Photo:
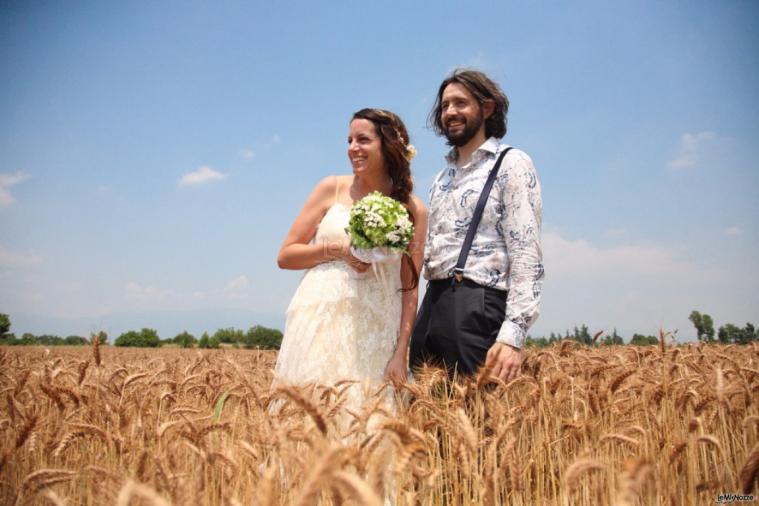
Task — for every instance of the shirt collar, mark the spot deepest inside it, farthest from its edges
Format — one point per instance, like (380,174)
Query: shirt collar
(489,146)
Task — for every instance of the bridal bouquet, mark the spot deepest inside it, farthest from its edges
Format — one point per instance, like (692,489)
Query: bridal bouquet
(380,229)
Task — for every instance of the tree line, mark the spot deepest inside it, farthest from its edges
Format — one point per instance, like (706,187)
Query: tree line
(726,334)
(257,336)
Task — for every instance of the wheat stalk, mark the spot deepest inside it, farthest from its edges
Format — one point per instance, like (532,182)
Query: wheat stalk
(577,469)
(146,493)
(749,473)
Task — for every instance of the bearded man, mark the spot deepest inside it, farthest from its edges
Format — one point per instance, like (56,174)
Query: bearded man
(484,284)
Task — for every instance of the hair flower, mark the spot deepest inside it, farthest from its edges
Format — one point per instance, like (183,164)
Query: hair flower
(410,152)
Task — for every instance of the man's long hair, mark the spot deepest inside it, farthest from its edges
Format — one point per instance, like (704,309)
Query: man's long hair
(483,89)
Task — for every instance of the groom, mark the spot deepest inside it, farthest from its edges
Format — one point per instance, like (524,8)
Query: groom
(479,314)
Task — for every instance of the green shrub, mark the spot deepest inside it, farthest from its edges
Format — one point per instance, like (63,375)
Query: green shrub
(146,338)
(185,340)
(262,337)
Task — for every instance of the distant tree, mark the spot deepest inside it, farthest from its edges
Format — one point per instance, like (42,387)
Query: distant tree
(48,340)
(708,325)
(76,340)
(150,338)
(704,326)
(262,337)
(185,340)
(730,333)
(536,342)
(582,335)
(695,318)
(102,334)
(613,339)
(749,334)
(129,338)
(249,339)
(147,338)
(641,340)
(229,335)
(209,342)
(727,333)
(5,324)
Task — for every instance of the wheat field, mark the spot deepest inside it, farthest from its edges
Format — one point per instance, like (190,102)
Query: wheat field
(581,425)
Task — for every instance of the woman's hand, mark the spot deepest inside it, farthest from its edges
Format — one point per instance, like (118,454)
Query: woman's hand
(396,370)
(344,254)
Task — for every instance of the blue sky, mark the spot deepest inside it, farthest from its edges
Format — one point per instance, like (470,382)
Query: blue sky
(154,154)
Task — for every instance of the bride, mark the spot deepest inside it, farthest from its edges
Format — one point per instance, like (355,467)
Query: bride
(349,320)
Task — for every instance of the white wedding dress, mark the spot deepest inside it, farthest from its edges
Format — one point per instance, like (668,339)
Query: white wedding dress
(339,327)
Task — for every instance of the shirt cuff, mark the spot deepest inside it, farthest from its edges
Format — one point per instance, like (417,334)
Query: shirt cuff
(511,334)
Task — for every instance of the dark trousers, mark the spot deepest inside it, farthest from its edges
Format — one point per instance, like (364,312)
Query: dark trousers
(456,325)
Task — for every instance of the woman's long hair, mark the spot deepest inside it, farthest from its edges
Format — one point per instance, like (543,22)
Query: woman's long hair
(395,141)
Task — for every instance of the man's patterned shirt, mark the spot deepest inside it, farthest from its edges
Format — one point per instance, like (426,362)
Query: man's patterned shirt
(506,251)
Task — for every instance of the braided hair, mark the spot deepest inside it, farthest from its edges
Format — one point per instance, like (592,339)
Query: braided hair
(397,154)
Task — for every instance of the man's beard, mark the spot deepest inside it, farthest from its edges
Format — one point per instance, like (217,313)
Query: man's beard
(470,130)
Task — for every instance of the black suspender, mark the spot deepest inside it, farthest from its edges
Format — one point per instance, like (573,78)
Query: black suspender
(458,271)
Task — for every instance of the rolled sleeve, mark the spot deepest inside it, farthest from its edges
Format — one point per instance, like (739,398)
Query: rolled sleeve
(522,226)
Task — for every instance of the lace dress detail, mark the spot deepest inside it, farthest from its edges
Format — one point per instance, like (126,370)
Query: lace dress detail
(339,327)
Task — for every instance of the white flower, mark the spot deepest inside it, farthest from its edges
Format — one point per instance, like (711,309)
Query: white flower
(379,221)
(410,152)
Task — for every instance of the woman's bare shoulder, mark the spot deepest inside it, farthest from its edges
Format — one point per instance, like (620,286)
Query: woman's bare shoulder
(416,206)
(327,188)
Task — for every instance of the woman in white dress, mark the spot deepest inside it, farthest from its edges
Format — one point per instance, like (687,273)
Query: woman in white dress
(341,324)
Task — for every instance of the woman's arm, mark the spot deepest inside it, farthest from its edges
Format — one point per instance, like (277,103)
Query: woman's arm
(397,368)
(296,253)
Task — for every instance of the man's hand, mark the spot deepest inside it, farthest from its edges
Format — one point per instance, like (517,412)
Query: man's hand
(505,361)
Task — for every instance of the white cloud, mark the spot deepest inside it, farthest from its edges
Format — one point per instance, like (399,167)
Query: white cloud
(6,181)
(477,61)
(237,285)
(616,233)
(632,287)
(202,175)
(733,231)
(236,289)
(9,258)
(135,292)
(247,154)
(690,148)
(580,260)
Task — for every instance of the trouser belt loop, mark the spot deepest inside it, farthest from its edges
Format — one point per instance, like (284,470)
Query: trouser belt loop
(458,277)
